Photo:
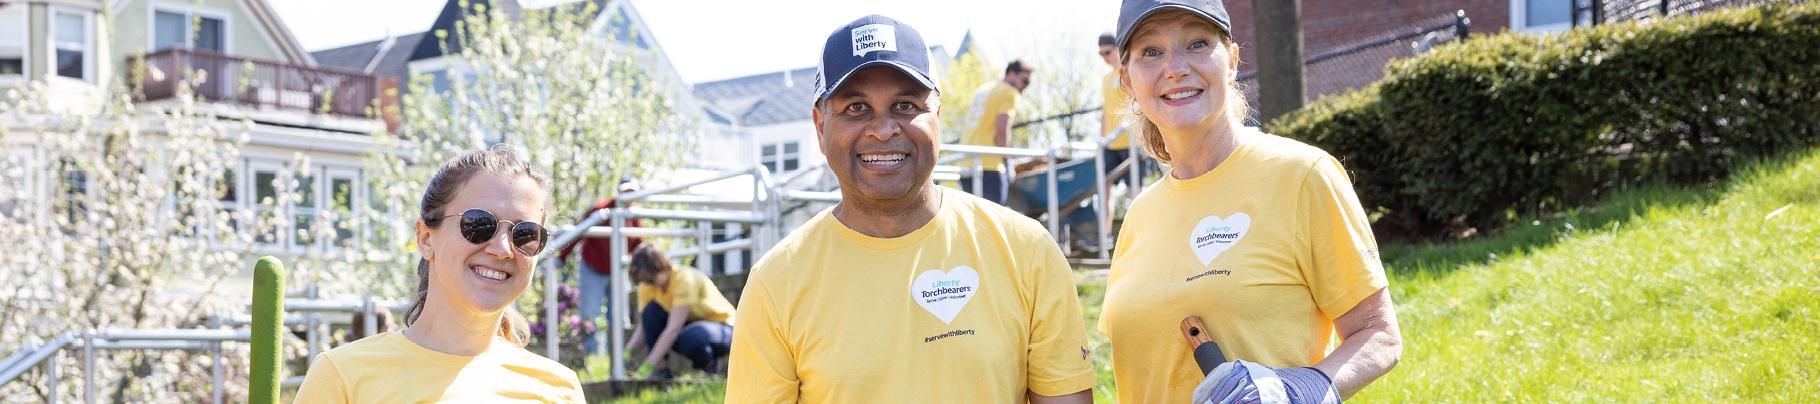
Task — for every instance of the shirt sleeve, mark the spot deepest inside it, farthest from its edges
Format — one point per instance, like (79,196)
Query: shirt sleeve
(1342,254)
(1058,360)
(762,367)
(322,383)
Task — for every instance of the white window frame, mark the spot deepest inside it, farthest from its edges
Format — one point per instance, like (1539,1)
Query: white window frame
(775,162)
(88,37)
(26,187)
(25,47)
(190,13)
(292,243)
(254,206)
(1519,19)
(356,199)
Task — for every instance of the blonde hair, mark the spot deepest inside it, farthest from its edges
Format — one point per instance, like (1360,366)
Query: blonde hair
(1236,107)
(501,160)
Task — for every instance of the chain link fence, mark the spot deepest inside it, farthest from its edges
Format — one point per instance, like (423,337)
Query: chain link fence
(1352,66)
(1611,11)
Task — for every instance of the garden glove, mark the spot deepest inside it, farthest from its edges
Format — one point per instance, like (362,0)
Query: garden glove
(1246,382)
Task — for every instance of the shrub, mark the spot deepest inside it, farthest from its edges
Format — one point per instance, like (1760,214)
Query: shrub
(1475,132)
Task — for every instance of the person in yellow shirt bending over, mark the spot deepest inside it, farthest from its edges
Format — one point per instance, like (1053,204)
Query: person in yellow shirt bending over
(1260,236)
(994,107)
(681,312)
(904,291)
(463,341)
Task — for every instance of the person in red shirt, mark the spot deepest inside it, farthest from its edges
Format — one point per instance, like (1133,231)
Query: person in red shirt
(596,260)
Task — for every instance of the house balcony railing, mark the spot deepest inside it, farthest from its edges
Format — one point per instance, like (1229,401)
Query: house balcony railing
(269,85)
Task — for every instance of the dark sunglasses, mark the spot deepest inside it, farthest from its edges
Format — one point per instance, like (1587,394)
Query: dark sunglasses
(479,226)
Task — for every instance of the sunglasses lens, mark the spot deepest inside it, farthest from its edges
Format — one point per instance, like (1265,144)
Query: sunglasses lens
(478,226)
(528,237)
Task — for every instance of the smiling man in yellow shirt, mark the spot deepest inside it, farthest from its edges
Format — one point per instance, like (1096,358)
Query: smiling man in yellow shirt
(905,291)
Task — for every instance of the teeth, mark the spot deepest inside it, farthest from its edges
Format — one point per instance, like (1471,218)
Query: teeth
(1181,95)
(492,274)
(875,158)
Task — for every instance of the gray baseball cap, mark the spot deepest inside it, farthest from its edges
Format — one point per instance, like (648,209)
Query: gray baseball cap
(1134,11)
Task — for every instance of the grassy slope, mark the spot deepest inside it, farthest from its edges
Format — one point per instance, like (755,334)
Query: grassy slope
(1656,293)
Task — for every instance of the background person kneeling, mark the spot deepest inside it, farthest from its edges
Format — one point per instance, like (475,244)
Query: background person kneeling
(689,315)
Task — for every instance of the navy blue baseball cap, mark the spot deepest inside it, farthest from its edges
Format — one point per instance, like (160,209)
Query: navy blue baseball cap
(1134,11)
(873,40)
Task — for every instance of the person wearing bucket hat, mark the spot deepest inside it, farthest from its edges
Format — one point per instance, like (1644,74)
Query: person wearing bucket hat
(904,291)
(1261,236)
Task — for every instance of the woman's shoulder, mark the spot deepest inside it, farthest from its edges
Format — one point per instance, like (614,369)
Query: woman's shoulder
(524,361)
(382,344)
(1273,148)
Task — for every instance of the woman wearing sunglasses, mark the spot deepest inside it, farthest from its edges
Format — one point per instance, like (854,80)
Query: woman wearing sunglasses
(464,342)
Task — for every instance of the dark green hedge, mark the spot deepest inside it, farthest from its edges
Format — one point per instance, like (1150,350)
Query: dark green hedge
(1474,133)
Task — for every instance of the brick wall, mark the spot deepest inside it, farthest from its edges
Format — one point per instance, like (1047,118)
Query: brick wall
(1331,24)
(1327,24)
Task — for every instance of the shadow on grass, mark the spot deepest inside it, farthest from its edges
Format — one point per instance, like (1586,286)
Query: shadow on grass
(1529,234)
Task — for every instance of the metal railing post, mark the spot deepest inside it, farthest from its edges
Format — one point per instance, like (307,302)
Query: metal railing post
(56,371)
(1137,166)
(702,239)
(549,310)
(978,171)
(368,310)
(215,368)
(88,366)
(1102,209)
(617,285)
(1055,229)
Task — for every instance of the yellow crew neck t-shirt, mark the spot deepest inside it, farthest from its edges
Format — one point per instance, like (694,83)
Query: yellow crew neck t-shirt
(988,103)
(1268,249)
(692,287)
(976,306)
(389,368)
(1112,111)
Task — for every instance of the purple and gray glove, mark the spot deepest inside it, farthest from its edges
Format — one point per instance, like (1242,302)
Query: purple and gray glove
(1246,382)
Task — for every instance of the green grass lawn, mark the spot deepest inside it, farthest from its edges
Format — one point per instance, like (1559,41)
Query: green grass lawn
(1660,293)
(1655,294)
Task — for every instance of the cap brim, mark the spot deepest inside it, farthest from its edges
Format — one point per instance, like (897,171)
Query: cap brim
(1124,37)
(926,81)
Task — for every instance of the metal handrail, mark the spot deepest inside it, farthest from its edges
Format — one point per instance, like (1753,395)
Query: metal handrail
(36,355)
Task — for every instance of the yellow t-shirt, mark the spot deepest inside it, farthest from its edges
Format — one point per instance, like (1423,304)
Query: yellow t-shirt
(1112,111)
(389,368)
(988,103)
(692,287)
(976,306)
(1268,249)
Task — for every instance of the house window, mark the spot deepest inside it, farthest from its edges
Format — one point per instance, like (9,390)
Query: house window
(75,189)
(304,212)
(174,29)
(265,196)
(74,42)
(622,30)
(1541,15)
(14,29)
(341,198)
(780,157)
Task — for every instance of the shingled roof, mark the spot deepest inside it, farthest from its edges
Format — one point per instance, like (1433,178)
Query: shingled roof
(375,57)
